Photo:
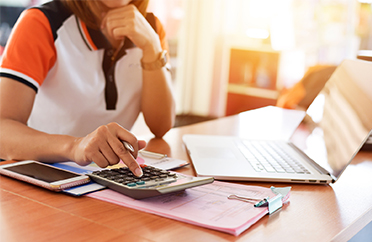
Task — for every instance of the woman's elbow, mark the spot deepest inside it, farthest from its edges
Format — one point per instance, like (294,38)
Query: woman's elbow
(161,128)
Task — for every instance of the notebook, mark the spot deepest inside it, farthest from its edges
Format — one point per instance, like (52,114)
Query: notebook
(322,145)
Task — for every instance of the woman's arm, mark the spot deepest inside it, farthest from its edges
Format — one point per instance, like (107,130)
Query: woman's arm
(157,101)
(17,140)
(157,104)
(20,142)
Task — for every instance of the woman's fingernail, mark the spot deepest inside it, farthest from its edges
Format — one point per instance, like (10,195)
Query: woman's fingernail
(138,172)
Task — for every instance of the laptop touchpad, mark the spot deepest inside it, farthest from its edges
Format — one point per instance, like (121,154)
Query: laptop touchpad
(215,153)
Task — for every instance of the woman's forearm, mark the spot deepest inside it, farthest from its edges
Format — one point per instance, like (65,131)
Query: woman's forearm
(158,105)
(20,142)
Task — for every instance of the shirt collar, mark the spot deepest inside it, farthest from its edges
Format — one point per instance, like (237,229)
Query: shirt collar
(95,39)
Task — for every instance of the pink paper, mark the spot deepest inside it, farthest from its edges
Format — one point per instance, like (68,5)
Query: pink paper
(207,206)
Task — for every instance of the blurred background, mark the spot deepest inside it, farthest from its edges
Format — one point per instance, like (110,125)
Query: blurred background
(229,56)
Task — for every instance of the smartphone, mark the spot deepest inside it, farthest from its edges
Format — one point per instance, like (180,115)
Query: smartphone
(43,175)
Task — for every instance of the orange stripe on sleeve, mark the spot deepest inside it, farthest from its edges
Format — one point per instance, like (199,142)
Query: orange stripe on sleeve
(30,49)
(87,35)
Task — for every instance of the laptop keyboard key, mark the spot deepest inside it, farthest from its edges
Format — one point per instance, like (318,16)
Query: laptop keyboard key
(270,158)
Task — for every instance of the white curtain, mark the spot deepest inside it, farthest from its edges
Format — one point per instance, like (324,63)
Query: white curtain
(196,57)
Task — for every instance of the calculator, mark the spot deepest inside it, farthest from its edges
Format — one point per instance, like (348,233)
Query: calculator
(153,182)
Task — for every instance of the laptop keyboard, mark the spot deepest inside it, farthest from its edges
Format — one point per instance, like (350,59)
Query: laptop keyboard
(270,157)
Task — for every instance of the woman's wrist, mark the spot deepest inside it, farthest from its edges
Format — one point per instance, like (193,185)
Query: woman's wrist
(151,55)
(151,51)
(157,64)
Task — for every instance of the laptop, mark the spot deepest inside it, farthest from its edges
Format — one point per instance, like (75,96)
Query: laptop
(322,144)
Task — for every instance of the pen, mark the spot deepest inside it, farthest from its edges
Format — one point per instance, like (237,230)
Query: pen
(128,146)
(153,155)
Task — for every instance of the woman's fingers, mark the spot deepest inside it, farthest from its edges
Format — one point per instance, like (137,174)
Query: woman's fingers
(128,22)
(105,147)
(126,155)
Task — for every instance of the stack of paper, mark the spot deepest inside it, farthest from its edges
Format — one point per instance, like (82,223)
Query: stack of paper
(207,206)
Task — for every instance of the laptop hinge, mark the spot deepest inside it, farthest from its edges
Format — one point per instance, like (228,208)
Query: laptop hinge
(313,163)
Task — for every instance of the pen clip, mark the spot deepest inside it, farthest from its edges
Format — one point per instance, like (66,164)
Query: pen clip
(128,146)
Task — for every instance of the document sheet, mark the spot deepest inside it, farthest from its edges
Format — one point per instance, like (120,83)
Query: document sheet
(207,206)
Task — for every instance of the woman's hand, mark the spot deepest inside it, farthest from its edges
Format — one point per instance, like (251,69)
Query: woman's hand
(128,22)
(104,147)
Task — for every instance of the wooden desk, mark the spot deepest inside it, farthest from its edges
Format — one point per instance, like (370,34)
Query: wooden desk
(315,213)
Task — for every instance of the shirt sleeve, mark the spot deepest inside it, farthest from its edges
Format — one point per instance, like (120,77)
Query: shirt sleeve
(30,51)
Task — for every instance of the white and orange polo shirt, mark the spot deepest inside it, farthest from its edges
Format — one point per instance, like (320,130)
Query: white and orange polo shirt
(70,67)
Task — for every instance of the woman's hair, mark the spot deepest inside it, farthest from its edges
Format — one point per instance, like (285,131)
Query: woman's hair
(89,11)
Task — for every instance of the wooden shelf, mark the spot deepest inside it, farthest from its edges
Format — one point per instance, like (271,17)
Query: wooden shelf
(252,81)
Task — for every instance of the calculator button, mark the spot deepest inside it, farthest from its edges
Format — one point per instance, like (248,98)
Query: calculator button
(131,184)
(119,180)
(103,175)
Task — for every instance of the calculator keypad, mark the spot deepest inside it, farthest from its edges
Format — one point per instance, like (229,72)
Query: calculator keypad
(123,176)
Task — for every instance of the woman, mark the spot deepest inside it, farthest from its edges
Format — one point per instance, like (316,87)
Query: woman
(74,77)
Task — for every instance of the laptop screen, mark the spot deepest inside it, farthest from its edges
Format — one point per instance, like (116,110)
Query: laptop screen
(339,120)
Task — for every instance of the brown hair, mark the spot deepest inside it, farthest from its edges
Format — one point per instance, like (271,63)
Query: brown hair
(89,11)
